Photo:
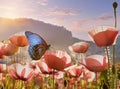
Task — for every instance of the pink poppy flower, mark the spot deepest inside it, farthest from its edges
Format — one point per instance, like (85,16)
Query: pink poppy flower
(87,75)
(59,75)
(43,67)
(96,63)
(76,71)
(8,49)
(20,72)
(34,65)
(57,60)
(80,47)
(104,35)
(59,79)
(19,40)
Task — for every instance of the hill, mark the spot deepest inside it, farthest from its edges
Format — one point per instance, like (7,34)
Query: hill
(57,36)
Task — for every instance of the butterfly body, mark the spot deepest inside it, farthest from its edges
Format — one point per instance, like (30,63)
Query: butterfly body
(37,47)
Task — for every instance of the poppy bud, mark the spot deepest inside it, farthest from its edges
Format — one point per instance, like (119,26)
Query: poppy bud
(115,5)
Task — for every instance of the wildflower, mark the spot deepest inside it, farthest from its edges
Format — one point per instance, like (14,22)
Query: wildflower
(96,63)
(80,47)
(104,36)
(57,60)
(8,49)
(20,72)
(19,40)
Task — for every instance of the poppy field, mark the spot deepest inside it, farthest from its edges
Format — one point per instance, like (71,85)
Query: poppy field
(27,61)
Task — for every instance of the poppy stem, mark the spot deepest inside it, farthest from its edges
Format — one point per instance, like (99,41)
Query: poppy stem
(113,55)
(114,67)
(115,16)
(108,55)
(109,67)
(96,80)
(53,79)
(96,77)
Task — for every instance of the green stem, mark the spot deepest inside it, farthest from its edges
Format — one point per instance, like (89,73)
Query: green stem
(53,79)
(109,68)
(107,53)
(96,78)
(113,48)
(115,70)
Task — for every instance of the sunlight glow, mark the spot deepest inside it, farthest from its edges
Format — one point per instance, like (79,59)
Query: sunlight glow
(11,12)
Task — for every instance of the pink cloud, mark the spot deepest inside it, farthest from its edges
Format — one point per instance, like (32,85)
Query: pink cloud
(65,11)
(43,2)
(104,17)
(84,24)
(81,27)
(57,21)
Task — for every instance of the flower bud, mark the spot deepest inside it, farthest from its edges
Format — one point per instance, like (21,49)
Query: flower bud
(115,5)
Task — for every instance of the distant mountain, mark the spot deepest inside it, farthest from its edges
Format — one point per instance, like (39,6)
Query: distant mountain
(58,36)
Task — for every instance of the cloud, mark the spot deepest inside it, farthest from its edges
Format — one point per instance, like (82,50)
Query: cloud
(65,11)
(57,20)
(86,23)
(20,9)
(81,27)
(10,11)
(43,2)
(104,17)
(75,25)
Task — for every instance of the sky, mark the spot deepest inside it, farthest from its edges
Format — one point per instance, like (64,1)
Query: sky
(77,16)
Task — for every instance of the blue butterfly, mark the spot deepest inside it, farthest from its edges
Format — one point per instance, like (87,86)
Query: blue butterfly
(37,46)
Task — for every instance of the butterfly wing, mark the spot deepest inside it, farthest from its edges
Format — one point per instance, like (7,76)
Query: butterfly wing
(37,51)
(34,38)
(37,45)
